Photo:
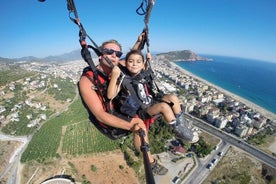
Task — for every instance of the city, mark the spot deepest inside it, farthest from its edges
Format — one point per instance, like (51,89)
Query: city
(202,101)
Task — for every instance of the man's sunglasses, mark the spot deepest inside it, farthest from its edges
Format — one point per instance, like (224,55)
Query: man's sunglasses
(111,51)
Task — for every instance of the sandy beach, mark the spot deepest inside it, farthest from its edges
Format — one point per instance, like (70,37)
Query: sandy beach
(250,104)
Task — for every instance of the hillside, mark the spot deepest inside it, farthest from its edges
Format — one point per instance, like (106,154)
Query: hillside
(184,55)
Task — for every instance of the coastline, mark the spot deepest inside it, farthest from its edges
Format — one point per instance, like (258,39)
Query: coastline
(250,104)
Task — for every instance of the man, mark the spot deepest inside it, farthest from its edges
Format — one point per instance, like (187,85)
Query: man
(93,93)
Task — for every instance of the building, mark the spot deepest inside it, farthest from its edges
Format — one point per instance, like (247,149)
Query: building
(220,122)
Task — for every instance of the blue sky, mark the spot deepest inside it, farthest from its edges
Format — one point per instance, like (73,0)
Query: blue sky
(243,28)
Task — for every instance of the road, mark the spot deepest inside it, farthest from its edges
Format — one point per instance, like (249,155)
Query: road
(14,159)
(201,172)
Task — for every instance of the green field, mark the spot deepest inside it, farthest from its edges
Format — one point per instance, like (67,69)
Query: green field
(72,132)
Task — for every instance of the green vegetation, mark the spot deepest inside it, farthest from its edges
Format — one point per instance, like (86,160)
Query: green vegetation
(93,168)
(62,89)
(82,138)
(44,143)
(159,133)
(238,168)
(15,103)
(260,138)
(121,167)
(18,128)
(77,139)
(84,180)
(14,74)
(202,148)
(74,169)
(180,55)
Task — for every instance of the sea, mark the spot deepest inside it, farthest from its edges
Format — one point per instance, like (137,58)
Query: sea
(250,79)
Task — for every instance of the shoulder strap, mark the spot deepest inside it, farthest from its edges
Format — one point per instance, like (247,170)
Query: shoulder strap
(148,77)
(101,83)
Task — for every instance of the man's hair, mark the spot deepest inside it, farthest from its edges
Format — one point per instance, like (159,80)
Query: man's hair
(111,41)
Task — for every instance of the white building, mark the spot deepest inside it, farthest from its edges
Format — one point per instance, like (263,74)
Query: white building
(220,122)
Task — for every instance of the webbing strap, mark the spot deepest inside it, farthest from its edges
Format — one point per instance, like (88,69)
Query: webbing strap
(141,11)
(85,53)
(82,36)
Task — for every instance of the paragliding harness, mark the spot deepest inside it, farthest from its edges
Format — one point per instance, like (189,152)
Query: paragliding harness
(100,80)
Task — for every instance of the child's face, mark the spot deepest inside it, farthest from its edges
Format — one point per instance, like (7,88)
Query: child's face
(135,64)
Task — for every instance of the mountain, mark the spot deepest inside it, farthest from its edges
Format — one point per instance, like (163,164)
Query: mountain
(6,60)
(73,55)
(184,55)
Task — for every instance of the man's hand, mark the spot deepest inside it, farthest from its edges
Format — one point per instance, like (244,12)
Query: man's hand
(137,123)
(148,56)
(139,43)
(141,36)
(116,72)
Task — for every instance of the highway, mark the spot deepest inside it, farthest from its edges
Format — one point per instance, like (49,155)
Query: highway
(201,172)
(231,139)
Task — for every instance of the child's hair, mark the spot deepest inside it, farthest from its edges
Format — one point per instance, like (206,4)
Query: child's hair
(135,52)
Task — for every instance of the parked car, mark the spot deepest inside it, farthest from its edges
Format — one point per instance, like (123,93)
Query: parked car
(209,166)
(214,161)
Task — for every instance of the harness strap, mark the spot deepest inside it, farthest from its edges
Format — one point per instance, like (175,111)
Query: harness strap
(141,11)
(100,87)
(82,36)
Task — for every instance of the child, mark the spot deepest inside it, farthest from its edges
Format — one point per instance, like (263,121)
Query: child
(136,98)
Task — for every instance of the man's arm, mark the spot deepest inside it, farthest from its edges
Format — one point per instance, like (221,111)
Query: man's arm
(139,41)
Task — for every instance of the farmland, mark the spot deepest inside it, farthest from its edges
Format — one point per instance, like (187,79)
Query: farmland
(68,136)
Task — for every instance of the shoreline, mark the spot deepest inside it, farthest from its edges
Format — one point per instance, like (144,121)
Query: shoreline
(261,110)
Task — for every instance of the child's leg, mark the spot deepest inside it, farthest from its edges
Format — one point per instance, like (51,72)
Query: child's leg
(182,128)
(175,101)
(164,109)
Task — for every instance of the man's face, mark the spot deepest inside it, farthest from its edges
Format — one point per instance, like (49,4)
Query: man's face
(112,52)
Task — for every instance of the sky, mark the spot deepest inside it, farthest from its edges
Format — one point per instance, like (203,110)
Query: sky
(242,28)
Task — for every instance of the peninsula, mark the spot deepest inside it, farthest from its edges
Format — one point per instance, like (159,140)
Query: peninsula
(183,55)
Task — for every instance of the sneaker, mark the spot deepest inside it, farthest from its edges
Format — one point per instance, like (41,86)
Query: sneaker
(183,130)
(185,134)
(158,169)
